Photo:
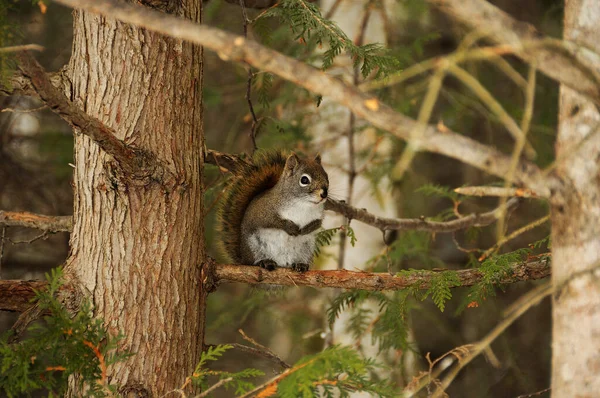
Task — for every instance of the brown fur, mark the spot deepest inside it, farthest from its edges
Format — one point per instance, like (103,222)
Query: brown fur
(245,186)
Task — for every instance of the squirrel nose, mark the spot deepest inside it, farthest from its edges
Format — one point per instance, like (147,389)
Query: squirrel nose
(324,192)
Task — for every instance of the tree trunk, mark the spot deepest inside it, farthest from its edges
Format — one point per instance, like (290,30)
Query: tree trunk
(576,226)
(137,245)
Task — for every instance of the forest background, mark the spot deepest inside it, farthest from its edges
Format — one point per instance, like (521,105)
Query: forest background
(377,168)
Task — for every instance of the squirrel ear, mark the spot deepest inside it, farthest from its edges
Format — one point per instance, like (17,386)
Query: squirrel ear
(291,162)
(318,158)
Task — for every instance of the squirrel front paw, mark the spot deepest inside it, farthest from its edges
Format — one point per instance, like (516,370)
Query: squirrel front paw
(300,267)
(269,265)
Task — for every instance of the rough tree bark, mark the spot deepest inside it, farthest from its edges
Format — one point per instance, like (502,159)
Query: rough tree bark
(576,227)
(137,244)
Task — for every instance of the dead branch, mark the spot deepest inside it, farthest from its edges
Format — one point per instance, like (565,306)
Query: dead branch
(496,191)
(134,162)
(418,224)
(37,221)
(15,295)
(237,49)
(25,47)
(566,62)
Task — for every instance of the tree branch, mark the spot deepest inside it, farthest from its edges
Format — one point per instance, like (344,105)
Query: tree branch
(134,162)
(235,48)
(64,223)
(15,295)
(566,62)
(38,221)
(417,224)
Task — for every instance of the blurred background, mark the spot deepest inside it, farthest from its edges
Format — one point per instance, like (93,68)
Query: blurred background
(35,175)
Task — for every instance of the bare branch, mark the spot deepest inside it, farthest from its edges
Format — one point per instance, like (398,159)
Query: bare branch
(19,84)
(25,47)
(231,163)
(418,224)
(566,62)
(15,295)
(38,221)
(136,163)
(496,191)
(237,49)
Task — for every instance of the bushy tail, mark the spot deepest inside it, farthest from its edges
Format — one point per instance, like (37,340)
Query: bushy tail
(248,182)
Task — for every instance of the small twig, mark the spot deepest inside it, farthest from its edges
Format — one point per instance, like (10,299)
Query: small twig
(520,143)
(43,235)
(24,110)
(512,236)
(535,394)
(25,47)
(496,191)
(255,123)
(264,351)
(220,382)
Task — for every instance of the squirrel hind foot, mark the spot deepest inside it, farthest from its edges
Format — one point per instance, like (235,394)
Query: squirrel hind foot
(300,267)
(269,265)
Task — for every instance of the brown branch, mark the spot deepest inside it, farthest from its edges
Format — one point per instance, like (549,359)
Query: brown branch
(258,4)
(418,224)
(15,295)
(566,62)
(237,49)
(134,162)
(496,191)
(38,221)
(369,280)
(18,84)
(25,47)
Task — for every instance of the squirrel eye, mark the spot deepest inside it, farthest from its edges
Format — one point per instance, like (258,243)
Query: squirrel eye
(304,180)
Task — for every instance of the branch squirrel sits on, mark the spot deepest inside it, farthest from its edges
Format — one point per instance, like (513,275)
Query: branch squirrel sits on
(271,211)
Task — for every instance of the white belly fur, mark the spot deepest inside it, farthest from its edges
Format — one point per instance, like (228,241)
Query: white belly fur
(285,250)
(302,212)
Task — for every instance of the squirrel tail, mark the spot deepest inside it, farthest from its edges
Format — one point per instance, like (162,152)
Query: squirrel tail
(249,182)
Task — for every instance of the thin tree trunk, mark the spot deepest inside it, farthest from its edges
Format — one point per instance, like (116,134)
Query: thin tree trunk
(576,227)
(137,245)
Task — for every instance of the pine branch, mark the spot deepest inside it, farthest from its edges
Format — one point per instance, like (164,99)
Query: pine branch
(15,295)
(237,49)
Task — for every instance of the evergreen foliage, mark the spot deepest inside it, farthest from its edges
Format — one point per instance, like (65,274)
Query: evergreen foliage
(325,237)
(334,372)
(57,347)
(493,269)
(388,328)
(236,380)
(311,28)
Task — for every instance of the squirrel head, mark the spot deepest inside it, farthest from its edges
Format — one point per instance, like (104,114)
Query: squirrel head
(304,179)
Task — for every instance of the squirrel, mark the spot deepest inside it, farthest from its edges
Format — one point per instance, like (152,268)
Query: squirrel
(271,211)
